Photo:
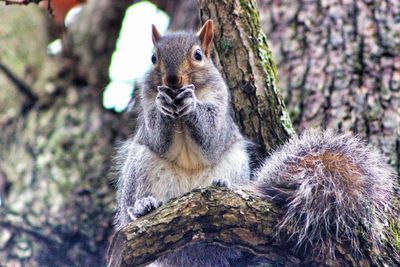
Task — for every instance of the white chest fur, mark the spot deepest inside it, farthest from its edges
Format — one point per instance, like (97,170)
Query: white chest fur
(165,179)
(185,153)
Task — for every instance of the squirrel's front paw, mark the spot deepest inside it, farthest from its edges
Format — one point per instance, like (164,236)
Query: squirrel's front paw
(164,102)
(142,207)
(185,101)
(221,183)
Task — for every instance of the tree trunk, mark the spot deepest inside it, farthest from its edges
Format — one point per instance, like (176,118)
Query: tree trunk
(339,64)
(57,203)
(246,63)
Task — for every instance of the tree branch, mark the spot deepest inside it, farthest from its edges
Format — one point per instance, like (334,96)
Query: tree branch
(230,218)
(22,87)
(32,232)
(20,2)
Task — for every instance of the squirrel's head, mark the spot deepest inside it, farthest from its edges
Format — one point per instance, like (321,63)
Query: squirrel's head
(179,56)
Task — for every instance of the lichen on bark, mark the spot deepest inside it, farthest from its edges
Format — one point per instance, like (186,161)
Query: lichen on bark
(245,60)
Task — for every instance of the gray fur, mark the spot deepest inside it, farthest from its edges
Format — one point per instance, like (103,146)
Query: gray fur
(201,255)
(182,142)
(222,183)
(142,207)
(322,207)
(174,48)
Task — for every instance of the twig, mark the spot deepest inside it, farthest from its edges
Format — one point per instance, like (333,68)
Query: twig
(27,2)
(21,2)
(21,86)
(35,234)
(50,9)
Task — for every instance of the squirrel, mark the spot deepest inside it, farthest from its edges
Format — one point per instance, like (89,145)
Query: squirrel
(331,185)
(186,138)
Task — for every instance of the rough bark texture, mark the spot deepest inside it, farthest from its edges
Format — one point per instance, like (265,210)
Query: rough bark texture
(57,204)
(245,60)
(228,218)
(339,66)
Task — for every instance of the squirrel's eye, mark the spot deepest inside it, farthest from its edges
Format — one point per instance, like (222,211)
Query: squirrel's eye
(197,54)
(153,59)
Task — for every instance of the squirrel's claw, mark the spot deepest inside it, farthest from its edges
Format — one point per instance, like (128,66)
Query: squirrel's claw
(221,183)
(165,104)
(142,207)
(185,102)
(167,90)
(174,103)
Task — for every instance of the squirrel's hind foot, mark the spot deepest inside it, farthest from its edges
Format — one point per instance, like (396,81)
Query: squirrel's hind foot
(142,207)
(222,183)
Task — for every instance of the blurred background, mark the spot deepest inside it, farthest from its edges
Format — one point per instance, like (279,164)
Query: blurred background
(65,94)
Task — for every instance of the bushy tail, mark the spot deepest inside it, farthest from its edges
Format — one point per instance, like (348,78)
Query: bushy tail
(331,187)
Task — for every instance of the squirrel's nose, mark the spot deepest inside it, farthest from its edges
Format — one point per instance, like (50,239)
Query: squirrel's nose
(173,80)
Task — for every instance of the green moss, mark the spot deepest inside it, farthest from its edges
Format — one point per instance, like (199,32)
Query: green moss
(395,229)
(264,210)
(226,45)
(287,123)
(263,52)
(394,226)
(265,55)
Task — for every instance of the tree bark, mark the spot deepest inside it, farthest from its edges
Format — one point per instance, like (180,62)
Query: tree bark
(57,203)
(246,63)
(57,206)
(339,66)
(230,218)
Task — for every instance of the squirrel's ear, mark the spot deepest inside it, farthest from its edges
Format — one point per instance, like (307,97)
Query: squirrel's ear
(155,34)
(206,35)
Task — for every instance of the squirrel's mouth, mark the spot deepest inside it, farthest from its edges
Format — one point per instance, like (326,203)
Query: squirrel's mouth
(172,81)
(175,82)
